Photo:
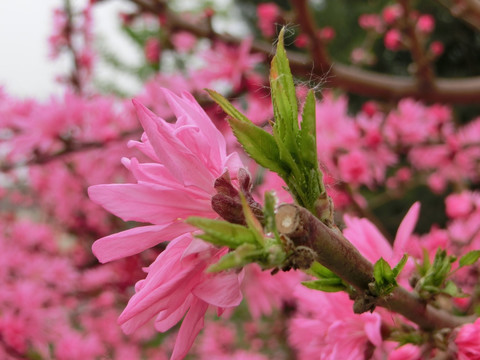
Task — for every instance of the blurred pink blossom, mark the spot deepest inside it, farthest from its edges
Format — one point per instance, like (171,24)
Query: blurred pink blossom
(267,14)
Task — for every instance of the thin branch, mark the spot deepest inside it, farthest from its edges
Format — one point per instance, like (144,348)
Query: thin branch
(335,252)
(352,78)
(466,10)
(71,148)
(423,71)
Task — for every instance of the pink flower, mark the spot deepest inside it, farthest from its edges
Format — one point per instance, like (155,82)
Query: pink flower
(326,328)
(392,13)
(393,40)
(187,158)
(267,15)
(354,168)
(468,341)
(426,23)
(177,284)
(371,22)
(370,108)
(265,292)
(458,205)
(152,50)
(183,41)
(326,33)
(302,40)
(437,48)
(406,352)
(228,63)
(373,245)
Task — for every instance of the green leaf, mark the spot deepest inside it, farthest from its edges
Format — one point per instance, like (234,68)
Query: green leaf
(227,106)
(382,272)
(243,255)
(452,290)
(223,233)
(398,268)
(269,213)
(307,136)
(284,97)
(470,258)
(259,145)
(320,271)
(327,285)
(252,222)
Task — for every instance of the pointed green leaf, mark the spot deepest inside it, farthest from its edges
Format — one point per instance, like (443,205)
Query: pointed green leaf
(258,144)
(470,258)
(320,271)
(309,123)
(307,138)
(383,274)
(252,222)
(281,81)
(452,289)
(327,285)
(227,106)
(223,233)
(398,268)
(243,255)
(269,213)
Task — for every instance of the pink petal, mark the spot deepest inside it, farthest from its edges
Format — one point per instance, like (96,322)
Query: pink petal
(195,115)
(372,326)
(170,317)
(148,203)
(405,230)
(171,151)
(221,290)
(136,240)
(367,239)
(191,326)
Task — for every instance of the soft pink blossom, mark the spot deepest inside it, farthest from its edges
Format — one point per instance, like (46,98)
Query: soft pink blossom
(176,284)
(458,205)
(437,48)
(373,245)
(183,41)
(425,23)
(152,50)
(393,40)
(391,13)
(326,328)
(267,14)
(467,341)
(371,22)
(406,352)
(187,158)
(326,33)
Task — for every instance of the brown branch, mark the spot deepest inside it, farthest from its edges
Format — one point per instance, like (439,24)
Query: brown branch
(423,71)
(354,79)
(72,147)
(317,45)
(466,10)
(335,252)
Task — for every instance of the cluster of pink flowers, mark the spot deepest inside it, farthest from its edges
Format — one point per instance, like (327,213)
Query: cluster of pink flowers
(72,32)
(390,25)
(58,302)
(52,306)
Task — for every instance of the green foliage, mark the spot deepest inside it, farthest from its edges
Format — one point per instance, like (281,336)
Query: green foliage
(434,276)
(249,243)
(223,233)
(291,151)
(470,258)
(385,276)
(326,280)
